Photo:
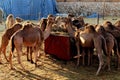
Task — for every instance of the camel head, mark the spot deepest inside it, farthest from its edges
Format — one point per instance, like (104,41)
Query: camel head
(100,29)
(10,16)
(70,15)
(81,20)
(117,23)
(18,19)
(89,28)
(43,23)
(67,21)
(50,20)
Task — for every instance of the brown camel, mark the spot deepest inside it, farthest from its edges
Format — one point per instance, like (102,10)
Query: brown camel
(9,21)
(6,37)
(31,37)
(109,27)
(110,42)
(43,24)
(88,38)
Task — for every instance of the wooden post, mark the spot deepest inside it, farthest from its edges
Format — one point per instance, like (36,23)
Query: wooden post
(98,18)
(103,10)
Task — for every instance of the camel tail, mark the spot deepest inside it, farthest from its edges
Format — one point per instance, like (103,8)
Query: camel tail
(104,46)
(13,45)
(115,48)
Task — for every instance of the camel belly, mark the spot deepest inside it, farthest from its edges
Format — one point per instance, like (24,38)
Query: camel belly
(86,40)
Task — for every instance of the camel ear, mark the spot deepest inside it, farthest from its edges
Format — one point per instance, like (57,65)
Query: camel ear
(95,26)
(86,24)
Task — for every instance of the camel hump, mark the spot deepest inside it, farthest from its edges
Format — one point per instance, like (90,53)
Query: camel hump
(90,28)
(28,25)
(100,29)
(108,25)
(117,23)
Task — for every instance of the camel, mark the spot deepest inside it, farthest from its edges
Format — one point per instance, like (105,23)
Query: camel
(6,37)
(109,27)
(42,25)
(88,38)
(110,42)
(9,21)
(31,37)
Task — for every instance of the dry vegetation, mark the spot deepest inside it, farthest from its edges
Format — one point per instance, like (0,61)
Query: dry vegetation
(53,69)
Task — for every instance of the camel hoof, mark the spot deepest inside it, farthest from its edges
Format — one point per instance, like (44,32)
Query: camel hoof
(109,70)
(32,62)
(77,66)
(118,68)
(8,61)
(28,59)
(97,74)
(36,65)
(12,68)
(23,54)
(1,63)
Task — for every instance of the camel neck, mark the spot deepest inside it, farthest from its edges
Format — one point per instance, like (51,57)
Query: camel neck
(47,31)
(70,30)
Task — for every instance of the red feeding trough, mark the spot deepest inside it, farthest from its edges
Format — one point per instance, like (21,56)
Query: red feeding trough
(63,47)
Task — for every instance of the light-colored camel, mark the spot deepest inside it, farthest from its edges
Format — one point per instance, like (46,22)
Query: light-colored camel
(88,38)
(110,42)
(9,21)
(117,24)
(109,27)
(31,37)
(6,37)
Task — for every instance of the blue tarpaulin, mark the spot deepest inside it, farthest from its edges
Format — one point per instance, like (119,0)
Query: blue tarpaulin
(93,15)
(29,9)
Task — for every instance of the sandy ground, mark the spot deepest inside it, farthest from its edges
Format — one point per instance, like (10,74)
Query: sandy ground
(51,69)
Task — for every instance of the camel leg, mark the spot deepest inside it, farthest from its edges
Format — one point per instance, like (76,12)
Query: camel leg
(10,60)
(4,52)
(118,63)
(19,53)
(0,55)
(100,63)
(108,61)
(78,53)
(118,56)
(36,58)
(31,51)
(89,57)
(28,54)
(83,55)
